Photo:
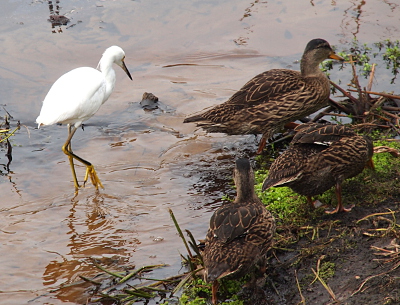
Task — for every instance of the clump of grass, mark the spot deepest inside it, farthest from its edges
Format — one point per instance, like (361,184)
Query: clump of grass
(198,292)
(119,286)
(127,287)
(327,270)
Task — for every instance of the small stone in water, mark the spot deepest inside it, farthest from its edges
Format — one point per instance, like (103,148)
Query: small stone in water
(149,101)
(58,20)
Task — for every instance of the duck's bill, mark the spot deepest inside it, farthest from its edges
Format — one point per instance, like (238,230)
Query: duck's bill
(336,57)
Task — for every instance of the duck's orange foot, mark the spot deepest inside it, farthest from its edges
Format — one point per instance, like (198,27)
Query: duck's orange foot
(261,146)
(214,291)
(340,208)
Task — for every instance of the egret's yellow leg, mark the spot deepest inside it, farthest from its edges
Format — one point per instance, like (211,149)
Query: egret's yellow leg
(90,171)
(67,149)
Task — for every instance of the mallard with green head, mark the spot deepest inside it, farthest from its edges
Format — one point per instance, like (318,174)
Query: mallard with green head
(273,98)
(240,232)
(322,156)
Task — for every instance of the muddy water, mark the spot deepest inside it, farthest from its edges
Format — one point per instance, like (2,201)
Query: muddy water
(192,55)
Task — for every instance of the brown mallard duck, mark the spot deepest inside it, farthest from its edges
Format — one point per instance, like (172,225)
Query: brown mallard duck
(273,98)
(240,233)
(321,156)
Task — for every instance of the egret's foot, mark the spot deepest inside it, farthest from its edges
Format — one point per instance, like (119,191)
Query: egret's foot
(90,172)
(340,208)
(77,186)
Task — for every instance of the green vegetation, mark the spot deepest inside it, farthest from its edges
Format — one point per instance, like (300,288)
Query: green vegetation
(286,205)
(198,292)
(386,51)
(391,55)
(327,270)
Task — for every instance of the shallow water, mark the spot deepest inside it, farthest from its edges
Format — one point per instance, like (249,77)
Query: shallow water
(192,55)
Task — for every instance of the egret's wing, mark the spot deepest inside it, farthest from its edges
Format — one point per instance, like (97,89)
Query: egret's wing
(74,97)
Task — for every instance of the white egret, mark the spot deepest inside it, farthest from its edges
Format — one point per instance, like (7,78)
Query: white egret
(76,96)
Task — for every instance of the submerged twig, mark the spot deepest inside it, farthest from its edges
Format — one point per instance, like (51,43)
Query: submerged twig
(10,134)
(105,270)
(135,272)
(86,279)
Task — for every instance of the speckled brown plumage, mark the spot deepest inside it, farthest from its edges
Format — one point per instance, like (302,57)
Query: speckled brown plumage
(320,157)
(240,233)
(273,98)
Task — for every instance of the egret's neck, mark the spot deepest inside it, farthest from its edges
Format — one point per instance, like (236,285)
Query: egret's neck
(108,72)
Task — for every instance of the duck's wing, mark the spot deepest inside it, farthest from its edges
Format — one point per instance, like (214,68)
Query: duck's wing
(269,88)
(233,221)
(321,133)
(290,165)
(344,158)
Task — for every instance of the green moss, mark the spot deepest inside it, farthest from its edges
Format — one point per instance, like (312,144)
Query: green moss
(198,292)
(288,206)
(327,270)
(385,161)
(195,293)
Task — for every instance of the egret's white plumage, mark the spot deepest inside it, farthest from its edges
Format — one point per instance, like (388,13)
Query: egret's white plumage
(73,106)
(78,95)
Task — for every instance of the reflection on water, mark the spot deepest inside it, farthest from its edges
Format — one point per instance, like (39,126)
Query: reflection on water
(354,12)
(55,19)
(92,235)
(191,55)
(361,14)
(5,133)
